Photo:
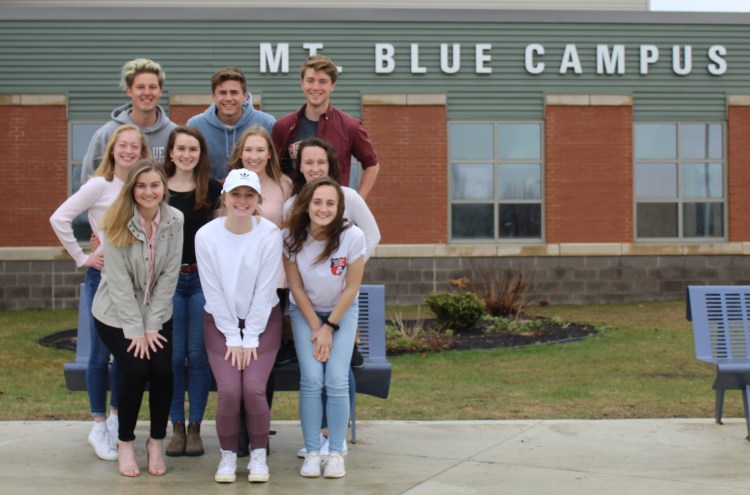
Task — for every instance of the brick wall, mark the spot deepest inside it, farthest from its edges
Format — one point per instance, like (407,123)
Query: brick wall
(738,172)
(33,137)
(409,199)
(589,173)
(180,114)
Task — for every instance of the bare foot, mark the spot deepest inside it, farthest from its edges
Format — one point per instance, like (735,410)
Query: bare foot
(156,465)
(126,459)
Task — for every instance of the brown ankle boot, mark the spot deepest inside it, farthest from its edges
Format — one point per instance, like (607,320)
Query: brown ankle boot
(176,445)
(194,444)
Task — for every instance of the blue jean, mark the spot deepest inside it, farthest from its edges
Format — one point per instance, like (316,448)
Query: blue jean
(97,371)
(331,377)
(189,350)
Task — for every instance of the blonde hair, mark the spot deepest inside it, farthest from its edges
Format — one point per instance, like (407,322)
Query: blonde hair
(106,168)
(272,168)
(135,67)
(115,221)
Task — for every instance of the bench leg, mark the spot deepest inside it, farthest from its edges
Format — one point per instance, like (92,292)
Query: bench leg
(746,406)
(353,404)
(719,404)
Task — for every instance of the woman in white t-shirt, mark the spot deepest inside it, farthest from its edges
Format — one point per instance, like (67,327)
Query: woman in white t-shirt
(324,258)
(317,158)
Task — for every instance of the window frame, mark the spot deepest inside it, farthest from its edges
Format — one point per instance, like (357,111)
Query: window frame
(496,200)
(681,200)
(71,162)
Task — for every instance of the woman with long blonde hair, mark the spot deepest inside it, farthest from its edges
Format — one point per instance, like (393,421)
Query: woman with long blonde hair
(254,151)
(126,145)
(133,306)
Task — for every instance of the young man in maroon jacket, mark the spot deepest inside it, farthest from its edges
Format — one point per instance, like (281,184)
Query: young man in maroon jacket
(318,117)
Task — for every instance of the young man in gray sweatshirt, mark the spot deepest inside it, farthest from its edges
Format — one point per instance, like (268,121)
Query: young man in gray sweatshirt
(143,81)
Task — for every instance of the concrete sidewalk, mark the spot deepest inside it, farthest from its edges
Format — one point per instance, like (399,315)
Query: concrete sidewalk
(672,456)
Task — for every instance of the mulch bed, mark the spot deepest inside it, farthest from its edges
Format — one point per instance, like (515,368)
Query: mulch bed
(549,333)
(65,339)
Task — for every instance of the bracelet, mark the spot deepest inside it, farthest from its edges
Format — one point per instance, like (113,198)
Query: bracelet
(332,325)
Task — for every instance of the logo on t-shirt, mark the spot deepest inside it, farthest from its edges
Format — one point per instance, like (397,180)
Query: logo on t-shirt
(338,265)
(294,150)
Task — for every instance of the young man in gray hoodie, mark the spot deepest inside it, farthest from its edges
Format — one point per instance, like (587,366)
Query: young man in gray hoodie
(143,81)
(227,118)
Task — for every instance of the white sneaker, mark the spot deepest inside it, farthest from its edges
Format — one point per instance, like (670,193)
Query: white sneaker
(113,425)
(301,453)
(257,467)
(334,466)
(311,467)
(324,448)
(102,443)
(226,472)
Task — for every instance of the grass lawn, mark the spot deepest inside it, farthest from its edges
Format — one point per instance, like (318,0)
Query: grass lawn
(641,365)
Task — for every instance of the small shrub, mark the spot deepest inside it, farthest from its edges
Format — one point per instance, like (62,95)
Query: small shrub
(458,311)
(494,324)
(524,327)
(504,293)
(403,336)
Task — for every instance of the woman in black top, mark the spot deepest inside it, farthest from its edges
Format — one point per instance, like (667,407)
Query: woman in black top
(195,194)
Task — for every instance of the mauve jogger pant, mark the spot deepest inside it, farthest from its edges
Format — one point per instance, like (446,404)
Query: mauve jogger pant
(247,386)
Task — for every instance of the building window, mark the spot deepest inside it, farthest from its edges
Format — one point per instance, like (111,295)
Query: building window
(80,134)
(495,181)
(680,181)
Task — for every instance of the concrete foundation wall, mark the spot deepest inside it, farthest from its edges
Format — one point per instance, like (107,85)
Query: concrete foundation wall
(562,279)
(578,280)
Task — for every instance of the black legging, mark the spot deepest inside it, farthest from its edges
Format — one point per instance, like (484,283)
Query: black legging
(156,372)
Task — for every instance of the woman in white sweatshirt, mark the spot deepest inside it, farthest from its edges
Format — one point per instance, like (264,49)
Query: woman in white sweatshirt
(239,263)
(126,145)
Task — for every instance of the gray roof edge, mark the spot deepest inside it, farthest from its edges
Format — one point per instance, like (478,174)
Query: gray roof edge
(363,15)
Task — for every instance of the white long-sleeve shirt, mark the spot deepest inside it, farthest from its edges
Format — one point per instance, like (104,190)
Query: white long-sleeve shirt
(95,195)
(239,274)
(356,210)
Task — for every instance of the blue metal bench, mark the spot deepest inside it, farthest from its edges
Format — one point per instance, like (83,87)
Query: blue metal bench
(373,378)
(721,330)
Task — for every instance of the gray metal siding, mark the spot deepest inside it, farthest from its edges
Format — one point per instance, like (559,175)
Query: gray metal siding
(83,58)
(638,5)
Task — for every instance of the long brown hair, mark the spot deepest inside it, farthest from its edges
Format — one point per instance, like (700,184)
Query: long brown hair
(298,222)
(273,169)
(298,180)
(116,218)
(201,172)
(106,167)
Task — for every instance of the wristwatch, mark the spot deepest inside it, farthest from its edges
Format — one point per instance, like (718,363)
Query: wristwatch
(332,325)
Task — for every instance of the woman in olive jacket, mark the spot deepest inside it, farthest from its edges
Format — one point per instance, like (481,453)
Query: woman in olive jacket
(133,305)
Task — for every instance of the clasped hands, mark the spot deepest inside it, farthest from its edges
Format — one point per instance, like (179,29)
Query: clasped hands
(151,341)
(240,357)
(322,340)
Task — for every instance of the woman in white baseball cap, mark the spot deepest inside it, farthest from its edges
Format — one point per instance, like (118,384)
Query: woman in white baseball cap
(239,263)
